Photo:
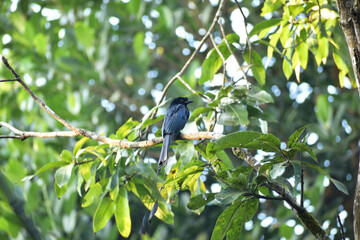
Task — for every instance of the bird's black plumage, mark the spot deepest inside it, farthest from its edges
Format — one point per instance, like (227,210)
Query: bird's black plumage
(175,120)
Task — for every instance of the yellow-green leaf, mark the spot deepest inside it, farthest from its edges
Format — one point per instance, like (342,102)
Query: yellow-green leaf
(122,213)
(104,212)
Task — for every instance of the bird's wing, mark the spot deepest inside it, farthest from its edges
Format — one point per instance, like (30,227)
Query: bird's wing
(175,120)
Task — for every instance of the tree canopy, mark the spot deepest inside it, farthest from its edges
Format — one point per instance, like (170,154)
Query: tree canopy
(271,148)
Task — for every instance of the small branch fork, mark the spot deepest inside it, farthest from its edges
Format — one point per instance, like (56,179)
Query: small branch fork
(307,219)
(22,135)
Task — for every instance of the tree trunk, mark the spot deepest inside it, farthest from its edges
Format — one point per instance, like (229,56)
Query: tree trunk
(349,13)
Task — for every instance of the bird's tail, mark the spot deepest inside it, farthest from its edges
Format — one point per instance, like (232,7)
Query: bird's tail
(164,152)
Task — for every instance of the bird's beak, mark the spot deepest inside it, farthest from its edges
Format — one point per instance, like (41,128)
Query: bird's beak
(189,101)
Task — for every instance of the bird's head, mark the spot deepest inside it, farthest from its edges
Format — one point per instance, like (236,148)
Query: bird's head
(181,100)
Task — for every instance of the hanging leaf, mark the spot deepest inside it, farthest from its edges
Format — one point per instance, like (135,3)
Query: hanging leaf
(256,66)
(63,174)
(122,213)
(230,222)
(104,212)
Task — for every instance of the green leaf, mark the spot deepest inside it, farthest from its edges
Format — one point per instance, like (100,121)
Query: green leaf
(213,61)
(125,129)
(302,52)
(139,45)
(200,110)
(277,170)
(97,154)
(74,102)
(256,66)
(142,189)
(84,34)
(264,25)
(270,6)
(46,167)
(200,200)
(230,222)
(259,96)
(40,43)
(94,192)
(104,212)
(166,17)
(341,65)
(63,174)
(296,9)
(337,184)
(323,49)
(60,191)
(287,68)
(66,156)
(186,151)
(79,144)
(225,159)
(251,140)
(240,112)
(323,111)
(295,136)
(228,195)
(122,213)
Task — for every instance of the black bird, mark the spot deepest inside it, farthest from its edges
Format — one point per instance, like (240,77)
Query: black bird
(175,120)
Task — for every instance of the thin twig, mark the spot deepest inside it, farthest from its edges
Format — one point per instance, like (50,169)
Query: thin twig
(232,53)
(308,220)
(191,58)
(301,182)
(341,227)
(192,90)
(10,80)
(22,135)
(263,196)
(38,100)
(222,58)
(246,32)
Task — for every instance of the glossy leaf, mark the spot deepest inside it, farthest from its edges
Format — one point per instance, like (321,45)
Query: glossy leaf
(256,66)
(63,174)
(213,62)
(295,136)
(230,222)
(84,34)
(251,140)
(66,156)
(122,213)
(200,200)
(264,25)
(79,144)
(104,212)
(45,168)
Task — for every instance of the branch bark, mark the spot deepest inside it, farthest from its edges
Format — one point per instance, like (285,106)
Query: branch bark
(349,13)
(306,218)
(22,135)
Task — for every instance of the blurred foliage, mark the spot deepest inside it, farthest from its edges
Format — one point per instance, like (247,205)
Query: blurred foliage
(102,65)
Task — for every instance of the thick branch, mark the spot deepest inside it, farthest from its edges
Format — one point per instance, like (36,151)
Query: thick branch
(307,219)
(349,13)
(22,135)
(38,100)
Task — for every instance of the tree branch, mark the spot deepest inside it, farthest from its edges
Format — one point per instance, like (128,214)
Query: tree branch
(349,13)
(191,58)
(306,218)
(22,135)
